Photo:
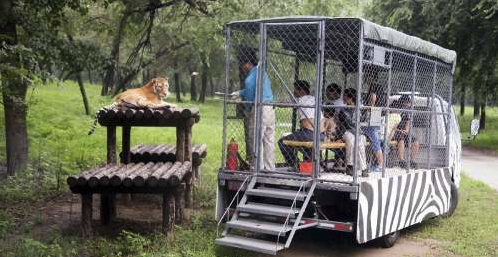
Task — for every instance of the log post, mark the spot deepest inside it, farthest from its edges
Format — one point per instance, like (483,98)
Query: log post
(188,142)
(179,203)
(168,212)
(125,149)
(189,185)
(105,208)
(111,144)
(180,143)
(86,215)
(107,201)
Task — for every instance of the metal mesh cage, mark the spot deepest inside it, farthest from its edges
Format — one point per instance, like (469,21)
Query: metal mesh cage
(318,99)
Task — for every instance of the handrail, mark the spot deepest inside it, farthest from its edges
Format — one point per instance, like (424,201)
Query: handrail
(233,199)
(292,208)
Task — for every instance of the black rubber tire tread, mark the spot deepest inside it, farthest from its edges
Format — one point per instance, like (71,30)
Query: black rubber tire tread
(453,201)
(389,240)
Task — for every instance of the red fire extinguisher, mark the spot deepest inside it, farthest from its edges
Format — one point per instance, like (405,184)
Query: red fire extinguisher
(232,151)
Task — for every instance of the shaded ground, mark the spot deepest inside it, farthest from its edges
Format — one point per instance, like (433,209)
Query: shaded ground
(63,214)
(481,165)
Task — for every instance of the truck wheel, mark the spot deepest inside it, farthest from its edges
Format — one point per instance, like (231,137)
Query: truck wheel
(389,240)
(453,201)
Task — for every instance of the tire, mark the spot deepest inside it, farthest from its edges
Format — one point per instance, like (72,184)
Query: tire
(389,240)
(453,201)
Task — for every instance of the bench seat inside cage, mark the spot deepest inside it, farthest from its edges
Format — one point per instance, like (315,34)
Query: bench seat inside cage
(324,145)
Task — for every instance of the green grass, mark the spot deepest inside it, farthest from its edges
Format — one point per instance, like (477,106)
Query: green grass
(486,139)
(473,228)
(59,145)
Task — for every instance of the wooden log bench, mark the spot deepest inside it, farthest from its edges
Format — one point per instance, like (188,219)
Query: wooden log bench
(324,145)
(165,178)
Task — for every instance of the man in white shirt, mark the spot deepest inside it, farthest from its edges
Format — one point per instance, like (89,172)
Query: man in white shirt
(306,121)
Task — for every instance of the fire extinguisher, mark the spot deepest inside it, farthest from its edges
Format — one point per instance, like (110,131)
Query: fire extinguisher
(232,151)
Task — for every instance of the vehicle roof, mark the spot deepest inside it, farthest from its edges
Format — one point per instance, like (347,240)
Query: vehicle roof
(371,31)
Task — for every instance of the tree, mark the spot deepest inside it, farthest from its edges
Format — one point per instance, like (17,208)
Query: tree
(23,27)
(470,27)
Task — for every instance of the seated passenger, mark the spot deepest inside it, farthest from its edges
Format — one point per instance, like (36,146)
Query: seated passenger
(305,132)
(328,124)
(402,134)
(333,97)
(333,94)
(346,130)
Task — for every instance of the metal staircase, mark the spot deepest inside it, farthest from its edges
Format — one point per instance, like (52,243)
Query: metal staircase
(267,215)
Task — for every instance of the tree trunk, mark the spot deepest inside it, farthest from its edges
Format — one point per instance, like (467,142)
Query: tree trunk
(14,95)
(90,77)
(83,93)
(111,69)
(144,76)
(191,69)
(16,131)
(211,85)
(177,80)
(204,80)
(476,101)
(462,100)
(482,120)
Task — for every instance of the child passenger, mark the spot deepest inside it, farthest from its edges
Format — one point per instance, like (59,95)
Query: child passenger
(346,130)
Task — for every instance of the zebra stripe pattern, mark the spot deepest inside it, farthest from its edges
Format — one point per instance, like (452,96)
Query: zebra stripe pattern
(393,203)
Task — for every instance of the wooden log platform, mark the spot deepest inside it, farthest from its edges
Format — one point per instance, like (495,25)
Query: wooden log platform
(163,153)
(166,178)
(157,117)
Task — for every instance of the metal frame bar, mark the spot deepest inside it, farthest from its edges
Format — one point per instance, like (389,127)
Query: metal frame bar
(432,116)
(386,121)
(448,120)
(258,96)
(412,104)
(318,99)
(225,97)
(359,83)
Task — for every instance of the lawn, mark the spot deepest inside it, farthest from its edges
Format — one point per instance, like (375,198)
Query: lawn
(486,139)
(59,145)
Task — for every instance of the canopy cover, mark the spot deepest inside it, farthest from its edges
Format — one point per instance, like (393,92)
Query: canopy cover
(371,31)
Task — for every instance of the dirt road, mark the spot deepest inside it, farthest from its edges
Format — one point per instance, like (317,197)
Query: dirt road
(481,165)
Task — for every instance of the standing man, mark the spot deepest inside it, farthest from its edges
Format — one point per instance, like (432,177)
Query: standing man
(248,62)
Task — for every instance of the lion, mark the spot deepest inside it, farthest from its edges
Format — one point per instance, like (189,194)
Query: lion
(149,95)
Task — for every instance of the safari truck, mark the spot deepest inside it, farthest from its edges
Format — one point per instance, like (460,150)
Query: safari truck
(389,160)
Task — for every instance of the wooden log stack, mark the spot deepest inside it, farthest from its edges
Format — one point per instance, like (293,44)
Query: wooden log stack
(158,169)
(165,153)
(148,175)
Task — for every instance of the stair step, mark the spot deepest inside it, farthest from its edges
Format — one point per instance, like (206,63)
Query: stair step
(258,226)
(268,209)
(277,193)
(251,244)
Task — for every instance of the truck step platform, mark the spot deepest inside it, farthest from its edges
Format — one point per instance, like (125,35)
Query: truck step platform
(277,193)
(268,209)
(259,226)
(251,244)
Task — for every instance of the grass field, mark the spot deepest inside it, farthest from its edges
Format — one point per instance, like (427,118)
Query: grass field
(488,138)
(59,146)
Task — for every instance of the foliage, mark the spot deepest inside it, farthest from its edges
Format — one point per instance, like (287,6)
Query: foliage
(470,27)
